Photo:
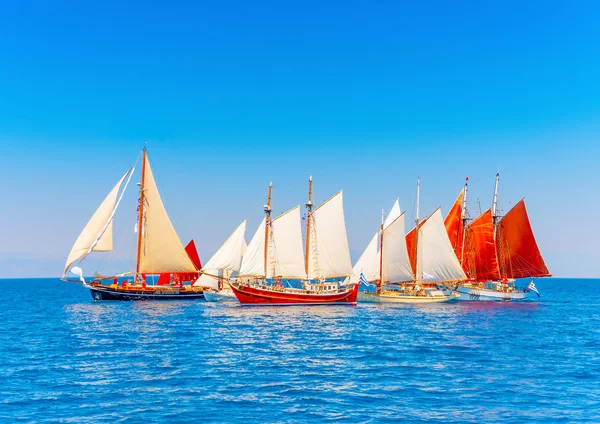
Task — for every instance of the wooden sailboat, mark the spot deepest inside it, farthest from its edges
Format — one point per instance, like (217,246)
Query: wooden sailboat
(496,250)
(402,278)
(224,264)
(159,252)
(274,260)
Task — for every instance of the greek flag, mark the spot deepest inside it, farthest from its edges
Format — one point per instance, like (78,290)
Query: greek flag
(362,280)
(533,288)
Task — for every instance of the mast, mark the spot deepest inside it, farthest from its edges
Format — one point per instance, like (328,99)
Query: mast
(309,206)
(417,232)
(380,285)
(464,220)
(495,202)
(141,214)
(267,209)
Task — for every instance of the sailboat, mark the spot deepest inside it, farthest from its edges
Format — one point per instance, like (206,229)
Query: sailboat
(224,264)
(496,250)
(275,255)
(404,278)
(160,255)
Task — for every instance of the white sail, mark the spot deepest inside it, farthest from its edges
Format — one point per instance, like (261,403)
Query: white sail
(253,261)
(368,263)
(161,250)
(436,260)
(394,213)
(396,263)
(227,259)
(96,236)
(229,255)
(329,255)
(287,254)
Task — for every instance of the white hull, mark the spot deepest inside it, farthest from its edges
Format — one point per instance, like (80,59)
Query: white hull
(484,294)
(225,295)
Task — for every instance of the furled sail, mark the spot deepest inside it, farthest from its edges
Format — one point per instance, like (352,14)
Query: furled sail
(160,250)
(482,261)
(436,260)
(454,225)
(286,258)
(396,263)
(368,263)
(329,256)
(253,261)
(518,251)
(96,236)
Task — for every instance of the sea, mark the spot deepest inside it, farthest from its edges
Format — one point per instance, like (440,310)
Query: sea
(66,358)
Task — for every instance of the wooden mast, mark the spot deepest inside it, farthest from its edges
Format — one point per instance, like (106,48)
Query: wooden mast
(417,233)
(380,285)
(464,220)
(141,215)
(267,226)
(309,206)
(495,203)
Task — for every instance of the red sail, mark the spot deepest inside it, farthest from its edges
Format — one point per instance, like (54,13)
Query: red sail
(193,254)
(454,226)
(519,254)
(483,261)
(410,246)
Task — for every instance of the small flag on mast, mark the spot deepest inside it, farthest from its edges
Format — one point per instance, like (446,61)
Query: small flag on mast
(533,288)
(363,281)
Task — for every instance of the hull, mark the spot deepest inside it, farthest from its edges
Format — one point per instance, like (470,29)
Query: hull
(224,295)
(470,293)
(106,293)
(406,298)
(254,296)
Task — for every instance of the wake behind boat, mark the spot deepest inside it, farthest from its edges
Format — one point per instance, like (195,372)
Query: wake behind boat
(163,265)
(275,257)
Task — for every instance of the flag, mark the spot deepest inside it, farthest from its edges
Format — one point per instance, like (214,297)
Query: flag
(533,288)
(362,280)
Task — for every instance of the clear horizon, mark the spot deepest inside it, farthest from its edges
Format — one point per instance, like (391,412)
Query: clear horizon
(232,96)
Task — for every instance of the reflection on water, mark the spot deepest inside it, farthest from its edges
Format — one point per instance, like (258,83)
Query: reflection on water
(66,357)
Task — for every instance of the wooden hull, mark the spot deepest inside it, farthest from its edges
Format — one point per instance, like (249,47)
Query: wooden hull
(106,293)
(405,298)
(249,296)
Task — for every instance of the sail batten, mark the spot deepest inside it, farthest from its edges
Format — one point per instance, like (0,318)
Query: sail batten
(96,236)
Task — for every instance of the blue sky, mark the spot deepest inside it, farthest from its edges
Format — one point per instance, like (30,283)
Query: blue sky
(365,96)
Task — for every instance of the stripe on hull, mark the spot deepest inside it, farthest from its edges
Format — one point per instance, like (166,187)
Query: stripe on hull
(103,294)
(255,297)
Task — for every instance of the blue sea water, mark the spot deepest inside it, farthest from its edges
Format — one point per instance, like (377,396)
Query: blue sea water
(66,358)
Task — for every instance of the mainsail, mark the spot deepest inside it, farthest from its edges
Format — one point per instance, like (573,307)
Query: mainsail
(481,260)
(518,251)
(454,224)
(253,261)
(436,260)
(395,262)
(97,235)
(227,259)
(160,249)
(329,255)
(286,258)
(394,213)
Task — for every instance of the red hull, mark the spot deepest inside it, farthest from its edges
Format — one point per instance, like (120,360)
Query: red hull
(255,296)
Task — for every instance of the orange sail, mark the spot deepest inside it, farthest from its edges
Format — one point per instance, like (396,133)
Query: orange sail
(518,251)
(411,247)
(483,261)
(454,226)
